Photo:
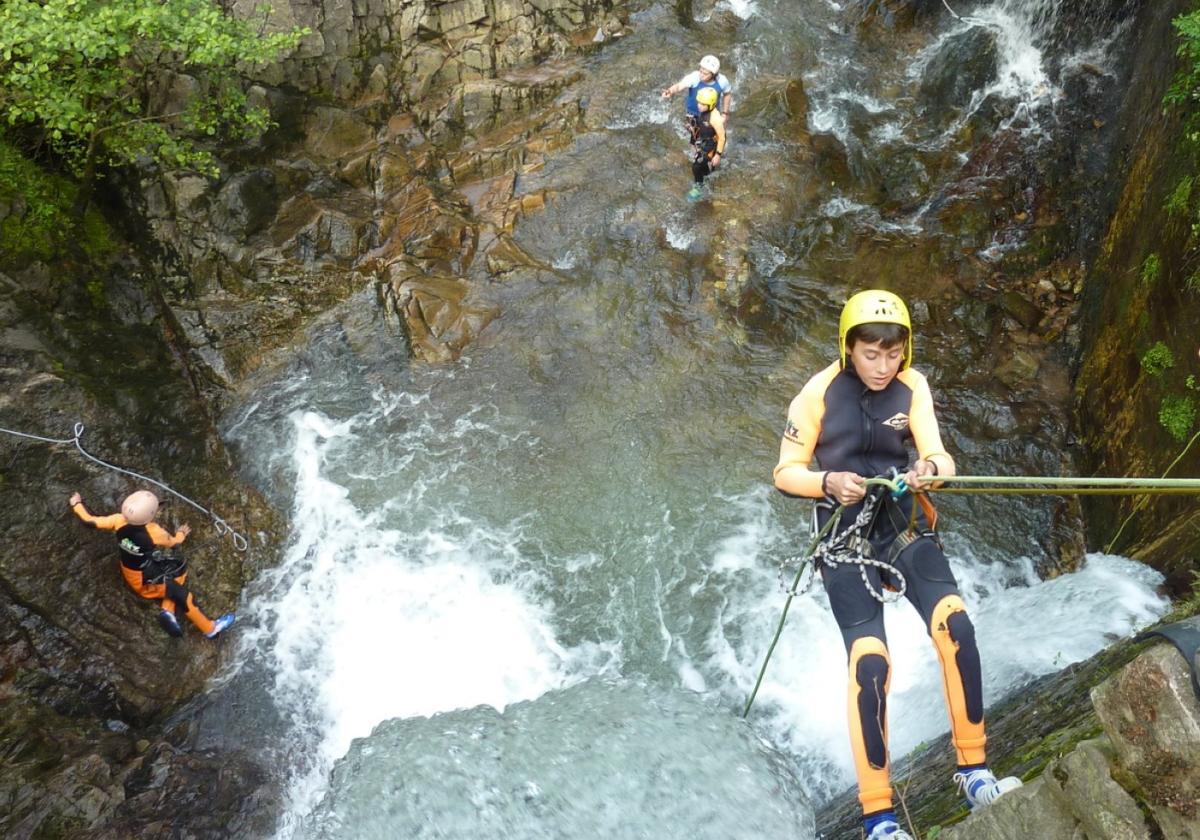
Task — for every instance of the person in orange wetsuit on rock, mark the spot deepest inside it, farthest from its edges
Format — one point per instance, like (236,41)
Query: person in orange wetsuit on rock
(140,541)
(855,420)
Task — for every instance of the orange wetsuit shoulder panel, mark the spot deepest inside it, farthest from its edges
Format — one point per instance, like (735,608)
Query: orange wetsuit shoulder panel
(794,473)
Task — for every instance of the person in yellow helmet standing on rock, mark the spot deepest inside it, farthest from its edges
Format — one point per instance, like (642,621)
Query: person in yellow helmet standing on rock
(855,420)
(146,570)
(708,140)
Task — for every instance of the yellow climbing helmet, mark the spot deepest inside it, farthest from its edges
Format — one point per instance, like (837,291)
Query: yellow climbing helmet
(707,96)
(874,306)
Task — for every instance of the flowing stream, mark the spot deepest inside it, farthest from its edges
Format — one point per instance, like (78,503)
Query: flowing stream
(544,576)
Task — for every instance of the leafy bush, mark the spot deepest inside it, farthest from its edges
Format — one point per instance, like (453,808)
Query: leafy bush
(36,211)
(1177,414)
(1158,359)
(111,82)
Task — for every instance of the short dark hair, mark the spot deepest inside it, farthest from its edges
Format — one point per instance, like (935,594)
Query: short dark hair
(889,335)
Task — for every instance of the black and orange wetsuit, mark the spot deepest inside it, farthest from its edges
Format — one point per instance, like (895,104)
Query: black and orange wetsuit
(709,141)
(842,425)
(137,544)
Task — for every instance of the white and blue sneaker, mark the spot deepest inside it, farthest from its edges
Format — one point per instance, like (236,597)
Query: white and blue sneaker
(220,624)
(981,787)
(884,827)
(695,192)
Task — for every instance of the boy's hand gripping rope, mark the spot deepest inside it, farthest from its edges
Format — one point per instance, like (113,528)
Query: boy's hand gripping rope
(220,525)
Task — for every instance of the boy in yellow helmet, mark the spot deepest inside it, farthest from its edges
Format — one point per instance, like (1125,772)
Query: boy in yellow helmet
(708,139)
(857,419)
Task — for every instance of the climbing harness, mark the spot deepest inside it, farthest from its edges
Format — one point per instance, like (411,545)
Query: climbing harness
(222,527)
(837,550)
(162,566)
(849,546)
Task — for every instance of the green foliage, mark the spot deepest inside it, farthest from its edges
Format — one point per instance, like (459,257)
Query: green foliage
(1151,268)
(36,211)
(1183,94)
(92,78)
(1190,382)
(1180,199)
(1158,359)
(1177,414)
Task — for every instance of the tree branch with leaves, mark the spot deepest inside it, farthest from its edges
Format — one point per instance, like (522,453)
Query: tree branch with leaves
(80,76)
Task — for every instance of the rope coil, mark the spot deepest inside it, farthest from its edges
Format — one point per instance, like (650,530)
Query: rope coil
(223,528)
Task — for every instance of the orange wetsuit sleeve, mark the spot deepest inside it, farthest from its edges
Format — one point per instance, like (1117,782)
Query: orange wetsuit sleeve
(922,422)
(719,126)
(794,473)
(161,538)
(112,522)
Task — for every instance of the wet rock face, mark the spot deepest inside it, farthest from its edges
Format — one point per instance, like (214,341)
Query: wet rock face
(1109,749)
(86,674)
(404,51)
(396,183)
(891,14)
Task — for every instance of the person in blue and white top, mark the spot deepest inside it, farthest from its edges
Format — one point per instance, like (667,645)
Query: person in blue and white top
(708,76)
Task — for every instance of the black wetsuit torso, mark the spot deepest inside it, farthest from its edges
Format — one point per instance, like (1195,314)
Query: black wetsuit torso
(704,136)
(866,432)
(137,548)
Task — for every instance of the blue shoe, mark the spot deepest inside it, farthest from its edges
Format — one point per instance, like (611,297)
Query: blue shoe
(694,193)
(167,621)
(220,624)
(884,827)
(981,787)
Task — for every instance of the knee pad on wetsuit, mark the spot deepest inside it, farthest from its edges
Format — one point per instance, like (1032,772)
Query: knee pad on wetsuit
(953,635)
(870,675)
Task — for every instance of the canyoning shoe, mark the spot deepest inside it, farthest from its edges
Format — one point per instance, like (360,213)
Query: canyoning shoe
(888,830)
(694,193)
(981,787)
(167,621)
(220,624)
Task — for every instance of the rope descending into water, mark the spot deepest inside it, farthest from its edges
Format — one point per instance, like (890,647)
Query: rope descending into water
(951,11)
(222,527)
(825,553)
(1000,484)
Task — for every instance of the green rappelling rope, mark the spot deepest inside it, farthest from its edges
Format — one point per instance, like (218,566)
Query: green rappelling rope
(812,546)
(1053,485)
(999,484)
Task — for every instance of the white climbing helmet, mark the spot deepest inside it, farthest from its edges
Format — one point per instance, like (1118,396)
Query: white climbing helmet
(139,508)
(711,63)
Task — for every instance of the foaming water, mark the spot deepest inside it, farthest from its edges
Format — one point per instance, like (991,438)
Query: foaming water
(617,760)
(366,621)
